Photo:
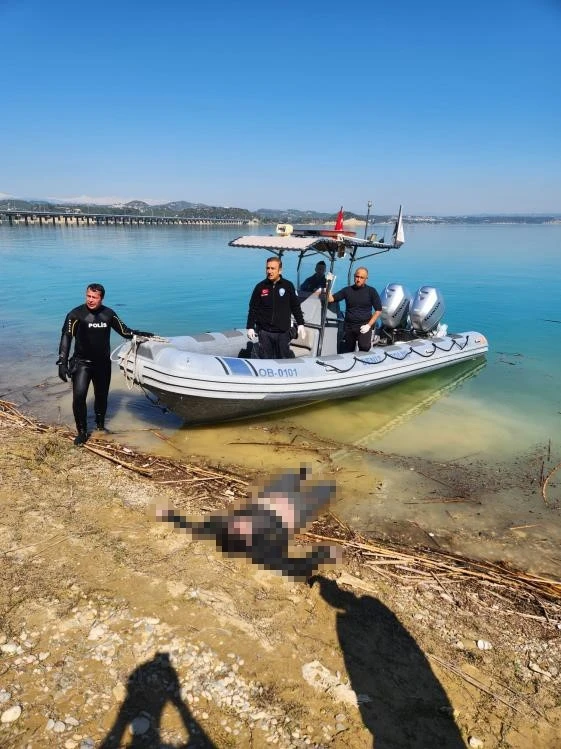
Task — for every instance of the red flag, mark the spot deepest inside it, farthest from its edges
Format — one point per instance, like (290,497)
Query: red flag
(339,222)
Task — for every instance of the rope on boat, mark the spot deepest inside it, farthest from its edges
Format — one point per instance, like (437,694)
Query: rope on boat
(131,358)
(377,359)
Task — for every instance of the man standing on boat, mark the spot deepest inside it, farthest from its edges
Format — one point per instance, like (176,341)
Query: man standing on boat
(90,325)
(318,280)
(362,308)
(269,321)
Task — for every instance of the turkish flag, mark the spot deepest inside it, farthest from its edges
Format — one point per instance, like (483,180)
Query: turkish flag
(339,222)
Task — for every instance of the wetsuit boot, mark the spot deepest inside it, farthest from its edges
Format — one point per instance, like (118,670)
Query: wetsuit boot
(100,423)
(82,437)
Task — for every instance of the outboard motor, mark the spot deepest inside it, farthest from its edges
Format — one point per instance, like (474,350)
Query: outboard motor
(395,306)
(396,300)
(427,309)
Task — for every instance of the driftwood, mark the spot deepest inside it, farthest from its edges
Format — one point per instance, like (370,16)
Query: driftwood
(150,467)
(529,596)
(420,564)
(545,483)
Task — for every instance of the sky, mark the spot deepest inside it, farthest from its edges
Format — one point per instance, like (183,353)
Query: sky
(447,108)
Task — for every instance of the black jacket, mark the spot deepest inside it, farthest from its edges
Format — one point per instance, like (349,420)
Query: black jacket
(91,331)
(271,306)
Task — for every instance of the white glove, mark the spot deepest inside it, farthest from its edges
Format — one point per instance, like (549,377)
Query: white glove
(252,335)
(329,276)
(301,331)
(364,328)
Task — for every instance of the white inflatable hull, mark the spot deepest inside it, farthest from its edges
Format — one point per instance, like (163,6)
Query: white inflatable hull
(204,380)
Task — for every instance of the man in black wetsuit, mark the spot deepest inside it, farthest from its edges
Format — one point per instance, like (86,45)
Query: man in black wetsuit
(90,325)
(272,303)
(360,300)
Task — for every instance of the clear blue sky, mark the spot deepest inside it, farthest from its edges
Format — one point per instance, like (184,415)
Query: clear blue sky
(445,107)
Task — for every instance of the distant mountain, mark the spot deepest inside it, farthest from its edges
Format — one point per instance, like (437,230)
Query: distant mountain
(185,209)
(180,205)
(137,205)
(293,213)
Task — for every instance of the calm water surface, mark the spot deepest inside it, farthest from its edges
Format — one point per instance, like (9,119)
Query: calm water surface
(503,281)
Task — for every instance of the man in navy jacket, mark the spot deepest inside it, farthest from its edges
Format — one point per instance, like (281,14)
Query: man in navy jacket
(271,307)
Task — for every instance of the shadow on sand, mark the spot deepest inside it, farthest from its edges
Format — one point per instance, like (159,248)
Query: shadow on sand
(401,701)
(150,687)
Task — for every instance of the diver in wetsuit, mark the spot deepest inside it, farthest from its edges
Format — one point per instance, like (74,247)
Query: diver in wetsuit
(90,325)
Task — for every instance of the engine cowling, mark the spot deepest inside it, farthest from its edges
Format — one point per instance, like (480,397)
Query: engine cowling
(396,300)
(426,310)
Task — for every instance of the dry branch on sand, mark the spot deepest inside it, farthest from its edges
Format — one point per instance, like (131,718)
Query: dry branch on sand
(523,594)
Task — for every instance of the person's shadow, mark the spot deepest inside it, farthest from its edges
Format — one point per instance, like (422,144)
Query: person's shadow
(149,688)
(401,701)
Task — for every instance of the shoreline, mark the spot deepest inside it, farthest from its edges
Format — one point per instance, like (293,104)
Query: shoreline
(255,657)
(487,509)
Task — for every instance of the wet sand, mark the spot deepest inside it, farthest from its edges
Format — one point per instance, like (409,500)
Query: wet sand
(403,468)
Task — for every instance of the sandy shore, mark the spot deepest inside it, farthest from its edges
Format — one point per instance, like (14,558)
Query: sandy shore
(116,631)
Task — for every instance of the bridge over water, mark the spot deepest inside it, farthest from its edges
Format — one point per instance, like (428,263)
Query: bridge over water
(61,218)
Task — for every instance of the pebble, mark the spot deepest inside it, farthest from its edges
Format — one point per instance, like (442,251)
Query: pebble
(537,669)
(96,632)
(484,645)
(59,727)
(9,648)
(475,743)
(11,714)
(119,692)
(4,696)
(139,725)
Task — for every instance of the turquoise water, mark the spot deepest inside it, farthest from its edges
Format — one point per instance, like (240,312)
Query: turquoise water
(502,281)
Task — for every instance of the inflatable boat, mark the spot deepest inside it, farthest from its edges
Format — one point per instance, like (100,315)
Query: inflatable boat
(214,377)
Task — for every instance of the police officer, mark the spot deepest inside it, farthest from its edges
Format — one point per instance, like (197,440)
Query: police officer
(90,325)
(272,303)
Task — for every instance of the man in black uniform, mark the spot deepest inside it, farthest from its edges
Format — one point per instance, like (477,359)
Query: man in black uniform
(360,300)
(272,303)
(90,325)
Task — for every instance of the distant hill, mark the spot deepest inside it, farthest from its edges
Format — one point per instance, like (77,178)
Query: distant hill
(186,209)
(179,205)
(137,205)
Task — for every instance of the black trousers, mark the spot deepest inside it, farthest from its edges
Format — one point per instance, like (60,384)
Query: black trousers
(274,345)
(354,336)
(98,373)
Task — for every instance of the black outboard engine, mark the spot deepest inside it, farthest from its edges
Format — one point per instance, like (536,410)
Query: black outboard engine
(426,311)
(396,300)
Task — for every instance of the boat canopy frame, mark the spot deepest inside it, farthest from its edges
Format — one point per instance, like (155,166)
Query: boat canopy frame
(310,242)
(332,249)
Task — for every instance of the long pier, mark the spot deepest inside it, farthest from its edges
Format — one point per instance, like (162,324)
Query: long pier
(61,218)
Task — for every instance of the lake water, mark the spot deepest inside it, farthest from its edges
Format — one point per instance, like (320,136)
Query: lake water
(499,422)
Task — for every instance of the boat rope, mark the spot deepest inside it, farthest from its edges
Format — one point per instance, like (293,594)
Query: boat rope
(129,360)
(377,358)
